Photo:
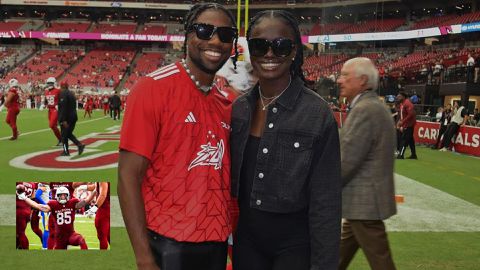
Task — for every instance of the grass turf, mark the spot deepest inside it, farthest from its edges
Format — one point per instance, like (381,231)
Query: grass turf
(33,120)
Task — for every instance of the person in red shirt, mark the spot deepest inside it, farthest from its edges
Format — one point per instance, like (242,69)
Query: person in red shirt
(23,213)
(54,186)
(12,102)
(105,104)
(63,210)
(101,210)
(406,125)
(51,101)
(174,163)
(88,106)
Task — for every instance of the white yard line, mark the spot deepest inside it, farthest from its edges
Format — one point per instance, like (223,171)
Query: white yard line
(426,209)
(47,129)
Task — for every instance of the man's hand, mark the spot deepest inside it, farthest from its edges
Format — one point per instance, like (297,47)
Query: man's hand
(91,211)
(65,124)
(22,196)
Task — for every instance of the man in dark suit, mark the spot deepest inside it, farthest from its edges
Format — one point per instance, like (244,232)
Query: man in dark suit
(116,104)
(367,143)
(67,117)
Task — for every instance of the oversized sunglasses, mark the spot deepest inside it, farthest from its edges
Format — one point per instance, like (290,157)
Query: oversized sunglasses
(206,31)
(281,47)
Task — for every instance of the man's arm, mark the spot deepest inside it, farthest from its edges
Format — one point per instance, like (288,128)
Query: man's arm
(102,193)
(41,207)
(8,100)
(355,142)
(82,203)
(131,170)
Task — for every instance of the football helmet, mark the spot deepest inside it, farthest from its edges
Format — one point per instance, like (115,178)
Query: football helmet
(62,190)
(13,83)
(51,82)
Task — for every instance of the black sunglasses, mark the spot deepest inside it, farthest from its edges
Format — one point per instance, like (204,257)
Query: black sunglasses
(281,47)
(206,31)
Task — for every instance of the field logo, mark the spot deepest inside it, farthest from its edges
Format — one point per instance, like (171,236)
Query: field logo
(92,159)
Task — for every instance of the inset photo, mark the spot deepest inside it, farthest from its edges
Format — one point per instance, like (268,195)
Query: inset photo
(63,215)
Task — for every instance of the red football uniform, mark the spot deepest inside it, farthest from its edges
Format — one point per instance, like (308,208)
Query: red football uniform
(23,215)
(51,97)
(51,221)
(13,111)
(102,220)
(64,216)
(185,135)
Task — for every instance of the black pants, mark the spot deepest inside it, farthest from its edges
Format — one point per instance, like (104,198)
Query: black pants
(441,131)
(249,255)
(451,131)
(111,111)
(116,113)
(173,255)
(67,133)
(407,139)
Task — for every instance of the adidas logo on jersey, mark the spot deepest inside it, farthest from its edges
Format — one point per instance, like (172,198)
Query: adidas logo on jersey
(190,118)
(164,72)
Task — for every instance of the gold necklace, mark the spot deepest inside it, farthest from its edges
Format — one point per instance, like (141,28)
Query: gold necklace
(271,99)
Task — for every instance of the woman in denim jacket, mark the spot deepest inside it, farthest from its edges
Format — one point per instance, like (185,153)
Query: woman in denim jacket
(285,158)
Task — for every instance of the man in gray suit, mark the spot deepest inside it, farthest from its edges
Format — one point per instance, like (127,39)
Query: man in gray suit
(367,142)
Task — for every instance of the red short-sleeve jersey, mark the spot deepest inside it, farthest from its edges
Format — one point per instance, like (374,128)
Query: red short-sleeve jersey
(52,97)
(30,188)
(15,103)
(64,216)
(55,185)
(185,135)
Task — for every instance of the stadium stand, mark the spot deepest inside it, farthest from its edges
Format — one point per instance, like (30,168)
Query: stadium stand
(114,28)
(148,62)
(49,63)
(102,69)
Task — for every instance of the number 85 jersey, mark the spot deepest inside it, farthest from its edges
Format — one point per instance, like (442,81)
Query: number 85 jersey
(64,216)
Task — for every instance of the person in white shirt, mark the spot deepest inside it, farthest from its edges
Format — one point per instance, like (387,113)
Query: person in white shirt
(459,118)
(470,68)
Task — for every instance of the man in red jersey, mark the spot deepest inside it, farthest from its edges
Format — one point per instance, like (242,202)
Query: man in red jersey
(12,102)
(101,209)
(63,210)
(51,101)
(23,213)
(174,164)
(88,106)
(406,125)
(105,104)
(54,186)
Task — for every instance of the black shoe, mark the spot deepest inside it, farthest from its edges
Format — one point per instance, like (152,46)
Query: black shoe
(80,149)
(413,157)
(65,154)
(400,157)
(434,147)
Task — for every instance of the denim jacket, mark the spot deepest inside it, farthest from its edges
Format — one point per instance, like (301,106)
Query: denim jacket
(298,164)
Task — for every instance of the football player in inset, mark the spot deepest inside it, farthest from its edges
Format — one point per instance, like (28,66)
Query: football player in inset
(63,211)
(23,212)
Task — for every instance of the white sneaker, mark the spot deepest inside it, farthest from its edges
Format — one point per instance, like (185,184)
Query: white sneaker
(443,149)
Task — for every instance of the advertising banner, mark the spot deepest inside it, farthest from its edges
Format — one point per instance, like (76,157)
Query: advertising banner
(467,140)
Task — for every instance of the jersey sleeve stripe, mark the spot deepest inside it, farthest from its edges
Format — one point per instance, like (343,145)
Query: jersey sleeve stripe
(166,74)
(162,69)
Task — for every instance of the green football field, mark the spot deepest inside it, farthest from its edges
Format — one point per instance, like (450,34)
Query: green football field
(440,188)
